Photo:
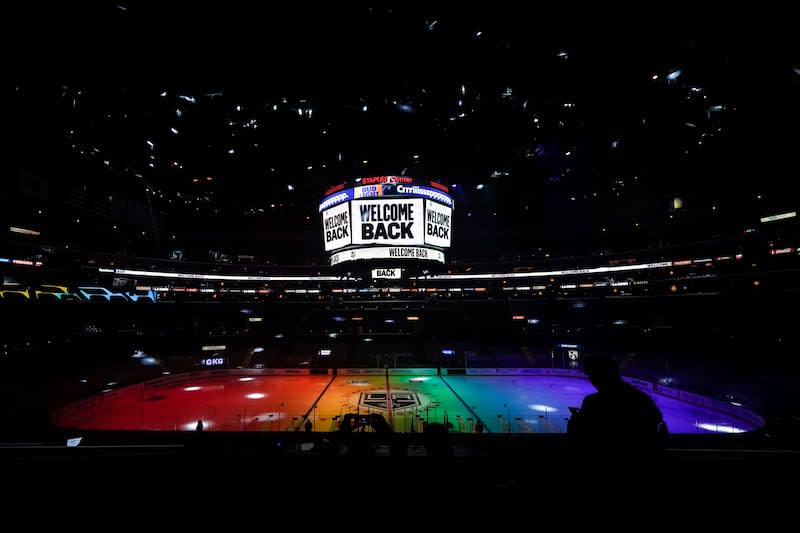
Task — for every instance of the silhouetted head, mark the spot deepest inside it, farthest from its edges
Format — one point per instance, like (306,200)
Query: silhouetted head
(602,371)
(437,442)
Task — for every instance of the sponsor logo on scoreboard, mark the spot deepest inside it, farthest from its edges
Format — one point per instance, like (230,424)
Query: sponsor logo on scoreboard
(391,189)
(370,191)
(386,179)
(425,192)
(336,199)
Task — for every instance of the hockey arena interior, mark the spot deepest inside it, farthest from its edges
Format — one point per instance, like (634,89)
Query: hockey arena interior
(386,241)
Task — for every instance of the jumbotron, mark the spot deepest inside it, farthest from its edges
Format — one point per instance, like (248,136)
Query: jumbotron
(386,217)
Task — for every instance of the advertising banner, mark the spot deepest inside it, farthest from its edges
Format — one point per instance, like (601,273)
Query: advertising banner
(362,371)
(412,372)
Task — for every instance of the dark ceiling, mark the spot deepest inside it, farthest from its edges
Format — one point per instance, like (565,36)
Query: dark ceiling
(564,130)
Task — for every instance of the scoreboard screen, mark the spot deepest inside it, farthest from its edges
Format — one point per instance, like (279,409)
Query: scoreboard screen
(374,216)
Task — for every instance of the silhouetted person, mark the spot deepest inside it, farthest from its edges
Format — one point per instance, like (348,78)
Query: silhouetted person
(379,423)
(620,431)
(359,444)
(197,443)
(398,446)
(478,427)
(437,441)
(308,425)
(618,419)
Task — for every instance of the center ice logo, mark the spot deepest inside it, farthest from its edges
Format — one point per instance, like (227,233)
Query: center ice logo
(400,400)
